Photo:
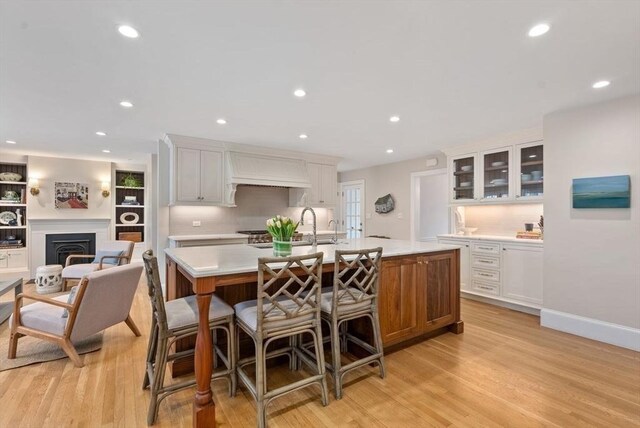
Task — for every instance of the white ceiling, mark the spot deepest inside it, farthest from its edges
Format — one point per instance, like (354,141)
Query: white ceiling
(453,71)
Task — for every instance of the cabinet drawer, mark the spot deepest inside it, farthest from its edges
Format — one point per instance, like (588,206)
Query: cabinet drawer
(486,275)
(485,262)
(486,288)
(485,248)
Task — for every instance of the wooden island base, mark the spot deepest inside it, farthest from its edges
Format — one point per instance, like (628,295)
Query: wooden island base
(419,299)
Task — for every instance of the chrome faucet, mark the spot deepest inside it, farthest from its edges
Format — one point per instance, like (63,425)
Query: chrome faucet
(335,230)
(315,237)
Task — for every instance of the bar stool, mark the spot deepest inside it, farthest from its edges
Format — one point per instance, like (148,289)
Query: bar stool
(175,320)
(289,293)
(356,280)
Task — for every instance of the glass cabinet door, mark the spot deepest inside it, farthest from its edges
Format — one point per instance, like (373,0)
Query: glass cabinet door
(495,169)
(531,179)
(463,178)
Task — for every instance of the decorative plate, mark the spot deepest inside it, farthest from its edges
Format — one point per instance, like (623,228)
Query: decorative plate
(124,218)
(7,216)
(10,176)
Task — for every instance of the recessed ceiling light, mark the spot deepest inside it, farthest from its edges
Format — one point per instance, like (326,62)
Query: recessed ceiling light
(10,142)
(389,150)
(128,31)
(126,104)
(304,136)
(221,121)
(533,156)
(539,30)
(106,151)
(299,93)
(394,119)
(601,84)
(100,133)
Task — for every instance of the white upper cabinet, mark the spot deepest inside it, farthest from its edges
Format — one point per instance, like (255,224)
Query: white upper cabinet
(198,176)
(323,191)
(496,169)
(506,174)
(529,162)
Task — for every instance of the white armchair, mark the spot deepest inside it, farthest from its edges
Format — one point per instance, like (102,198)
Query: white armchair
(112,253)
(103,299)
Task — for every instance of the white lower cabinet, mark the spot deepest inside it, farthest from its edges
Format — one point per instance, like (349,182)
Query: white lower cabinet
(465,272)
(13,259)
(505,271)
(522,273)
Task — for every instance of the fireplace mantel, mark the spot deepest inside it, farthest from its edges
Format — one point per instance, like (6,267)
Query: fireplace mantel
(41,227)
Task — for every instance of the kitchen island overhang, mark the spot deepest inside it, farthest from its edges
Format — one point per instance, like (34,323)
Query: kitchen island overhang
(419,294)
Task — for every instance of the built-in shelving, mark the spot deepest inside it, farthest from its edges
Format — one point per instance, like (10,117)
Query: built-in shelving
(130,225)
(122,192)
(14,255)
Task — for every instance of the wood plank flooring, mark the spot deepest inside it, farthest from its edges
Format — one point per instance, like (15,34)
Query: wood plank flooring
(504,370)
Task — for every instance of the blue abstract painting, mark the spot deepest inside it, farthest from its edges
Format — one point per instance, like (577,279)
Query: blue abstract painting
(602,192)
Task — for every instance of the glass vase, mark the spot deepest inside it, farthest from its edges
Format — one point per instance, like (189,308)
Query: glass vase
(282,248)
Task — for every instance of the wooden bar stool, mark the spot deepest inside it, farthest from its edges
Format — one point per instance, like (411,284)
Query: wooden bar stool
(175,320)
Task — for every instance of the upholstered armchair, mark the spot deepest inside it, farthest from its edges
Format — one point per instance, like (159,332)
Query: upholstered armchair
(103,299)
(112,253)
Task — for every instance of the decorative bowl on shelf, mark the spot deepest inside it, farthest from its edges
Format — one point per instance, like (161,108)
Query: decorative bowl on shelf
(466,168)
(500,163)
(499,181)
(10,176)
(525,177)
(537,175)
(465,184)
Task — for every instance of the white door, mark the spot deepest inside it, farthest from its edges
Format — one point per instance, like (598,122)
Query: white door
(352,194)
(430,206)
(522,267)
(211,169)
(188,175)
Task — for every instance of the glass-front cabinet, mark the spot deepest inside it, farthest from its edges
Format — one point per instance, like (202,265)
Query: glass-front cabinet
(463,180)
(496,172)
(530,178)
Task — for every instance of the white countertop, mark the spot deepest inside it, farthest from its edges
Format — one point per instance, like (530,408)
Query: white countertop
(211,236)
(241,258)
(493,238)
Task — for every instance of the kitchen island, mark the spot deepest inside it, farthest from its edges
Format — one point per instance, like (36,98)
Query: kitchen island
(419,294)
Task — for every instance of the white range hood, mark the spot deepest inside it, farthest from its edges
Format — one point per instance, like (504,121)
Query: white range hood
(265,170)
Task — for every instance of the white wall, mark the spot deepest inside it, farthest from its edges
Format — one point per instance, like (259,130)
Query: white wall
(48,170)
(393,178)
(502,220)
(255,204)
(592,256)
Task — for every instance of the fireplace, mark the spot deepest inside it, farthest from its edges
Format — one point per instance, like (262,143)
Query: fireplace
(59,246)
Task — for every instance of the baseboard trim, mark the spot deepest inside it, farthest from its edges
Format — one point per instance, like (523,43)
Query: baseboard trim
(614,334)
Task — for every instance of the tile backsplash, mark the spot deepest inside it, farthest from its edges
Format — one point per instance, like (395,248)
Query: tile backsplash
(255,205)
(502,220)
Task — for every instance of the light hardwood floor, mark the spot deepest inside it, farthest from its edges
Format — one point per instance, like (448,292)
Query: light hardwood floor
(505,370)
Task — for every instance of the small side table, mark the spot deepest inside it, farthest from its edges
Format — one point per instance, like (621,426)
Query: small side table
(49,279)
(6,308)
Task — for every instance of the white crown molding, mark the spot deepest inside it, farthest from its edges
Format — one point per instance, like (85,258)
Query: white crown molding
(508,139)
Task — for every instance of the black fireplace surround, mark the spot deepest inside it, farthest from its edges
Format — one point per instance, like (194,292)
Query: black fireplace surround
(59,246)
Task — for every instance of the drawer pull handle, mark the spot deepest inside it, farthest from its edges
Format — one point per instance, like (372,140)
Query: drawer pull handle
(485,274)
(486,248)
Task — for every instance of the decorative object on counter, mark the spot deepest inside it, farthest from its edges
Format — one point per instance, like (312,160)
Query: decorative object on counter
(602,192)
(468,231)
(10,176)
(130,200)
(385,204)
(528,227)
(529,235)
(130,236)
(281,228)
(129,218)
(541,225)
(71,195)
(130,181)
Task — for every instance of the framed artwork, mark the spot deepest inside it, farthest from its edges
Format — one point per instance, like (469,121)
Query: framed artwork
(602,192)
(71,195)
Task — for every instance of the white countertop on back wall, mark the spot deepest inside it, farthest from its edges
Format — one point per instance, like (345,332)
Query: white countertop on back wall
(499,238)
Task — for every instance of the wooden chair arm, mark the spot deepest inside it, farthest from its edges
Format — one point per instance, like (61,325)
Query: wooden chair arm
(42,299)
(79,256)
(111,257)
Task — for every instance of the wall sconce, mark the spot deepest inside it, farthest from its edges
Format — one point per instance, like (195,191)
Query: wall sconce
(105,189)
(34,186)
